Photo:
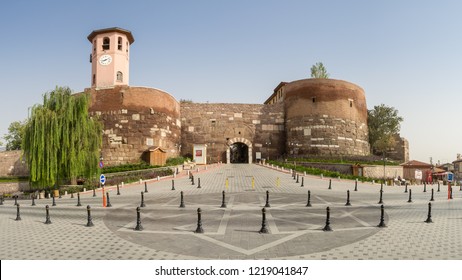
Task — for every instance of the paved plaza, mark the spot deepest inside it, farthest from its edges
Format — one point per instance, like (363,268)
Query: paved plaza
(232,232)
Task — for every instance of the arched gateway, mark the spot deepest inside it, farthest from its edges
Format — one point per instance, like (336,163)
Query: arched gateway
(239,150)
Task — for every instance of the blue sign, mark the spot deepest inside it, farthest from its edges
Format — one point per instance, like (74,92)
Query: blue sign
(101,164)
(102,179)
(450,177)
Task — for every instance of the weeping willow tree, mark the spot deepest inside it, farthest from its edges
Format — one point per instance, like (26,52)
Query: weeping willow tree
(61,141)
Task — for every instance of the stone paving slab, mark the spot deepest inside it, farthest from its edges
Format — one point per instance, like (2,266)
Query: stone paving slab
(232,232)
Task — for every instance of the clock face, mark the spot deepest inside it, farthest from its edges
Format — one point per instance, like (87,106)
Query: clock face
(105,59)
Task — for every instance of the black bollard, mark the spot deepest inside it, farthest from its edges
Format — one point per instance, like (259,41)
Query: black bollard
(382,217)
(410,196)
(267,199)
(199,228)
(198,183)
(15,200)
(33,200)
(263,222)
(330,184)
(438,186)
(348,199)
(425,187)
(145,187)
(53,199)
(173,185)
(1,200)
(18,214)
(297,179)
(192,180)
(381,195)
(181,200)
(108,203)
(432,198)
(302,185)
(47,218)
(118,190)
(293,174)
(94,192)
(138,227)
(223,203)
(405,188)
(356,185)
(89,219)
(327,226)
(78,200)
(142,200)
(72,195)
(308,203)
(429,216)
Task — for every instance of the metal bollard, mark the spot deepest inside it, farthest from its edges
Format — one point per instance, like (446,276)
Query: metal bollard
(438,186)
(405,188)
(118,190)
(192,180)
(47,217)
(33,200)
(1,200)
(15,200)
(263,222)
(356,185)
(142,200)
(308,203)
(181,200)
(198,183)
(303,183)
(94,192)
(348,199)
(199,228)
(18,214)
(173,185)
(78,200)
(429,216)
(267,199)
(223,203)
(53,199)
(145,187)
(410,196)
(432,198)
(89,219)
(138,227)
(297,179)
(382,217)
(108,203)
(381,195)
(327,226)
(330,184)
(425,187)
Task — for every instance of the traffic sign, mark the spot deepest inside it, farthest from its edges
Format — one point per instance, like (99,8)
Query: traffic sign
(102,179)
(101,164)
(450,177)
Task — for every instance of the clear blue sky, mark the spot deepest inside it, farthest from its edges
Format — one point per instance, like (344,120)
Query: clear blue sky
(405,54)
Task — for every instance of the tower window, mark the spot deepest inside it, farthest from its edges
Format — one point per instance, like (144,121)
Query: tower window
(120,76)
(93,82)
(94,46)
(351,103)
(119,43)
(106,42)
(126,48)
(313,99)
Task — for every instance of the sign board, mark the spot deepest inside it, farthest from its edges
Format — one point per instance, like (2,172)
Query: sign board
(450,177)
(200,153)
(418,174)
(101,165)
(102,179)
(258,155)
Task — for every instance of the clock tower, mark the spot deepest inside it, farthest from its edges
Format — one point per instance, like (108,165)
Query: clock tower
(110,57)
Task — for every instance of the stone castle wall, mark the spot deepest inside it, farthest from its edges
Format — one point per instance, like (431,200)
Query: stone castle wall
(136,119)
(11,164)
(325,117)
(217,124)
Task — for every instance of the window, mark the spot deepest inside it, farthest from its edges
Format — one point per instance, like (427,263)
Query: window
(351,103)
(119,43)
(93,82)
(106,42)
(94,46)
(126,48)
(313,99)
(120,76)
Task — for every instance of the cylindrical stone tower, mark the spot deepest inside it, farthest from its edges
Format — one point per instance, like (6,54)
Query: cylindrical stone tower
(325,117)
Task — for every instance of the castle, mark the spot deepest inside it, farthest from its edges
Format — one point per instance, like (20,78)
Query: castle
(317,117)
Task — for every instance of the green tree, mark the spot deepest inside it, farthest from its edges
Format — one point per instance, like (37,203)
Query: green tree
(61,141)
(318,71)
(14,136)
(384,123)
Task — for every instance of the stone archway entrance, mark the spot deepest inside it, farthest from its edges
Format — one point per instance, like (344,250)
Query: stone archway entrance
(239,151)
